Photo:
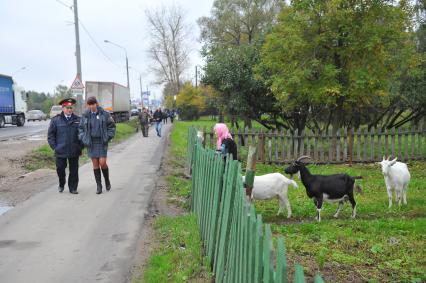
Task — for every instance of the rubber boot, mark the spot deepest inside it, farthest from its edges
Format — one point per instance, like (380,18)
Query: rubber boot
(98,179)
(105,172)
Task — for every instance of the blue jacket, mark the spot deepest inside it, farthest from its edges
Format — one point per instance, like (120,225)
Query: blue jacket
(107,127)
(62,136)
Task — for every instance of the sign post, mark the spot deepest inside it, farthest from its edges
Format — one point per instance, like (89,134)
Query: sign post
(77,90)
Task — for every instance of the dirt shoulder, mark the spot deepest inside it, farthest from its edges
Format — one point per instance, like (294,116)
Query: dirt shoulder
(160,205)
(16,183)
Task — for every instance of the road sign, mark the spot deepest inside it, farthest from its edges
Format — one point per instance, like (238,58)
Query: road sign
(77,91)
(77,84)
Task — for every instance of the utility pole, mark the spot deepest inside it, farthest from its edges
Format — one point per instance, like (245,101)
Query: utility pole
(77,41)
(196,77)
(140,84)
(78,57)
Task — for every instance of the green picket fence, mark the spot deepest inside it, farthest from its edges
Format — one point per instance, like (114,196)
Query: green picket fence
(237,243)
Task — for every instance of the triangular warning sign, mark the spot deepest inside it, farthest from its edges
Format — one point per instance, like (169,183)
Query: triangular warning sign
(77,84)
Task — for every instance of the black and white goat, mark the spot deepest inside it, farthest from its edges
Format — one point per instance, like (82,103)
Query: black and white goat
(331,188)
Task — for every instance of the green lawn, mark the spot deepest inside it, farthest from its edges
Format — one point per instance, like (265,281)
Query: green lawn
(179,256)
(380,245)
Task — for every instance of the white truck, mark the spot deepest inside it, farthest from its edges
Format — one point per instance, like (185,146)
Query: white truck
(13,102)
(112,97)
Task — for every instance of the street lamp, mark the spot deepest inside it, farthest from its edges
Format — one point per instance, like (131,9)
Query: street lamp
(17,71)
(127,61)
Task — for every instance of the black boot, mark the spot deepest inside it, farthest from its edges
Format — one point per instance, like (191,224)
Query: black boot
(98,179)
(105,172)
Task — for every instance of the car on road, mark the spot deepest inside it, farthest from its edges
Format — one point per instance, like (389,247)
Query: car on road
(134,112)
(33,115)
(55,110)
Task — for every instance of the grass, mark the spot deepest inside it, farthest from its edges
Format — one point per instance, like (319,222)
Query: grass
(44,157)
(179,257)
(380,245)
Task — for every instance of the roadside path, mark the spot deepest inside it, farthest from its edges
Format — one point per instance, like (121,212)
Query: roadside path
(55,237)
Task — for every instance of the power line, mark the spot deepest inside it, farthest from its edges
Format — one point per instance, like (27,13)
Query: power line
(90,36)
(96,44)
(62,3)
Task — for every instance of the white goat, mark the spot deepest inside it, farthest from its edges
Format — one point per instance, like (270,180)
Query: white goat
(397,177)
(272,185)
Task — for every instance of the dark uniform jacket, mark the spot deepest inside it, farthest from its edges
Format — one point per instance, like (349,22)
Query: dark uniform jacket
(107,126)
(63,136)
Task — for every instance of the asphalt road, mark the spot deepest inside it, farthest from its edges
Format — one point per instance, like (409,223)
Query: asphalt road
(29,129)
(60,237)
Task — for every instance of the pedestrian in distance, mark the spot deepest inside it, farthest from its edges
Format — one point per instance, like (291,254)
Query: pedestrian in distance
(62,137)
(224,142)
(172,116)
(96,129)
(144,118)
(158,117)
(165,116)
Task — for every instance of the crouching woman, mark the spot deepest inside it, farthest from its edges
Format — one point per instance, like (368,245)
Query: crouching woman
(224,142)
(96,129)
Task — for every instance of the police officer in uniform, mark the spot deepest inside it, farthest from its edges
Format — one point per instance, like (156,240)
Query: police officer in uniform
(63,139)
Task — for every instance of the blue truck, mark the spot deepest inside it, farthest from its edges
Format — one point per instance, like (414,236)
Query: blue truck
(13,105)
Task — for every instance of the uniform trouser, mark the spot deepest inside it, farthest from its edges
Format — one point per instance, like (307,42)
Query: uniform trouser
(145,128)
(61,164)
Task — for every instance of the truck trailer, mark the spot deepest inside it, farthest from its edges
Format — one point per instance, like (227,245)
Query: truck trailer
(13,105)
(112,97)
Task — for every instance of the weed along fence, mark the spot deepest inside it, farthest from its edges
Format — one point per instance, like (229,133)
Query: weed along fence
(237,243)
(347,146)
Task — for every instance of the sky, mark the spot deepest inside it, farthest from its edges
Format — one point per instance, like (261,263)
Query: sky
(37,41)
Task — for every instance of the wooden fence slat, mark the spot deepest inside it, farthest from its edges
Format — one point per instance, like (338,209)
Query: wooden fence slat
(289,145)
(322,146)
(413,143)
(299,276)
(392,137)
(338,146)
(296,144)
(276,145)
(365,136)
(400,144)
(345,145)
(329,142)
(406,145)
(302,143)
(316,133)
(372,144)
(358,141)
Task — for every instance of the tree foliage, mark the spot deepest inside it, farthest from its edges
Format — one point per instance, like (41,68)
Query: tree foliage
(231,36)
(332,60)
(189,102)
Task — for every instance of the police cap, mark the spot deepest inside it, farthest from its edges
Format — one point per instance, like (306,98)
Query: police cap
(67,102)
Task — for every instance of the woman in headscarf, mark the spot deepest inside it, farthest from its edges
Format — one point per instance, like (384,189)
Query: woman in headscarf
(96,129)
(224,143)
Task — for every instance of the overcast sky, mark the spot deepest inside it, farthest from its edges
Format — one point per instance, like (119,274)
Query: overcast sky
(39,35)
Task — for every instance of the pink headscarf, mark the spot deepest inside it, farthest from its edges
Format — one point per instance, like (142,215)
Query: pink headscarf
(222,133)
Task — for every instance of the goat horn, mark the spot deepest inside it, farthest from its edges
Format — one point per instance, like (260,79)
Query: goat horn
(303,157)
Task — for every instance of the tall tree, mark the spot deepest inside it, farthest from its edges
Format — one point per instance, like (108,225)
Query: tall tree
(338,57)
(231,36)
(169,49)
